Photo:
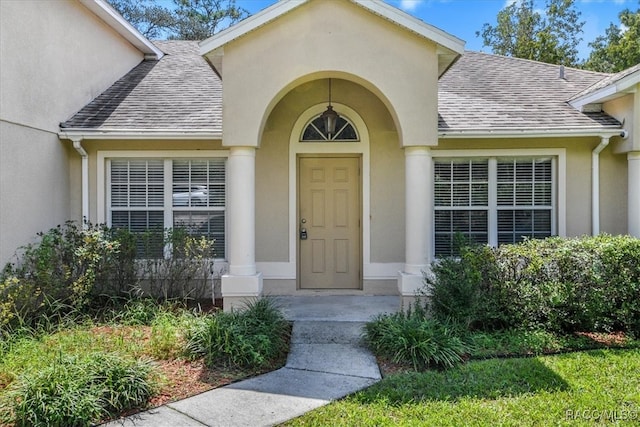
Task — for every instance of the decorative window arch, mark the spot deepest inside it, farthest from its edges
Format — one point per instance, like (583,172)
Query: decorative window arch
(315,131)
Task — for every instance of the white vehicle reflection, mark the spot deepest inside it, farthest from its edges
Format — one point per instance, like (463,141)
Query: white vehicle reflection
(195,195)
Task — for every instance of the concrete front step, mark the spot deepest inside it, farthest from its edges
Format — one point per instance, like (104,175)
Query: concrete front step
(342,359)
(330,332)
(343,308)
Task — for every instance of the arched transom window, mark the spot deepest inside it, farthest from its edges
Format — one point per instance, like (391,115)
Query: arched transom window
(315,131)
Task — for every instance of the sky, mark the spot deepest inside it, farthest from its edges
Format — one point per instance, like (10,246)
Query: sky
(462,18)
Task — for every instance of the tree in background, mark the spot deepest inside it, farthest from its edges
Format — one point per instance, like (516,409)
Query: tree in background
(200,19)
(523,32)
(152,20)
(619,48)
(186,20)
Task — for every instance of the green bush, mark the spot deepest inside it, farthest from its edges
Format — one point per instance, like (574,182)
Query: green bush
(78,391)
(57,272)
(70,269)
(186,274)
(254,337)
(413,338)
(122,276)
(560,285)
(462,289)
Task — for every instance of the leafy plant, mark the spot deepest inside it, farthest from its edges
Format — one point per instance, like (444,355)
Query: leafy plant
(253,337)
(411,337)
(184,272)
(555,284)
(78,391)
(462,288)
(56,274)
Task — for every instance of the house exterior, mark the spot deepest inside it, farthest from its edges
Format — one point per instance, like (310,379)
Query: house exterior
(430,141)
(49,69)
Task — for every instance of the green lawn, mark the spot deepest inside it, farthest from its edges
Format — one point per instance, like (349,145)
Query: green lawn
(599,387)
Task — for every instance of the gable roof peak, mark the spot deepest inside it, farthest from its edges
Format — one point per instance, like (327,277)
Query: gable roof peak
(448,44)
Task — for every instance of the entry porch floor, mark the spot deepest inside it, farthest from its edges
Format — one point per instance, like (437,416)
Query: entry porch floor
(336,308)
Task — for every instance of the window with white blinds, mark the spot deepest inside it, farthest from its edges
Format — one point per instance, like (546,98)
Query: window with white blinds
(147,196)
(492,200)
(524,199)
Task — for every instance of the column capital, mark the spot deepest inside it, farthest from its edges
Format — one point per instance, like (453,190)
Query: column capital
(242,150)
(417,150)
(633,155)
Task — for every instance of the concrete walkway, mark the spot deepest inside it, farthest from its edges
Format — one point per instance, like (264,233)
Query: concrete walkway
(326,361)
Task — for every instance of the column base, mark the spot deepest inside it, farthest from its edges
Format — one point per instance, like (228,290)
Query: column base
(412,289)
(237,291)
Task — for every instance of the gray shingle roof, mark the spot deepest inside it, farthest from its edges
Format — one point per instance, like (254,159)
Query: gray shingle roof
(178,92)
(480,92)
(612,79)
(483,92)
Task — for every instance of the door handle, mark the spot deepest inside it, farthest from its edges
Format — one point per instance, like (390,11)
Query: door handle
(303,234)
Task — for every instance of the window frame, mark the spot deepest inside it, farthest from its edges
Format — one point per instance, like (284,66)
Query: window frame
(168,156)
(558,187)
(332,139)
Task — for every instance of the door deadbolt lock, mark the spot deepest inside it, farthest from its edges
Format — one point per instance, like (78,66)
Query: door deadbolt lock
(303,234)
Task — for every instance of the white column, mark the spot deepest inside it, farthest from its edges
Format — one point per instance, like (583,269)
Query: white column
(242,281)
(241,185)
(418,218)
(633,191)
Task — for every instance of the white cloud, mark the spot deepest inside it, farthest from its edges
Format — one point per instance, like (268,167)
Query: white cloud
(410,5)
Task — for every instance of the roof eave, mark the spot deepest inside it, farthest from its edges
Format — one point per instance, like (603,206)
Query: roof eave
(248,24)
(112,18)
(111,134)
(622,87)
(397,16)
(529,133)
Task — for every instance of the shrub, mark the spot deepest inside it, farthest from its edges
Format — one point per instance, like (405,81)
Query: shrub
(57,272)
(254,337)
(122,277)
(412,338)
(70,267)
(559,285)
(592,283)
(186,273)
(463,289)
(78,391)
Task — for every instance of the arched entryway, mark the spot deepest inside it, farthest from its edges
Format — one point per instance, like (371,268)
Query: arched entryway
(331,186)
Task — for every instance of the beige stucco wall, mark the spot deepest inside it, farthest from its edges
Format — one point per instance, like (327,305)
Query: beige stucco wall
(34,185)
(386,171)
(55,56)
(613,192)
(325,39)
(613,184)
(626,109)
